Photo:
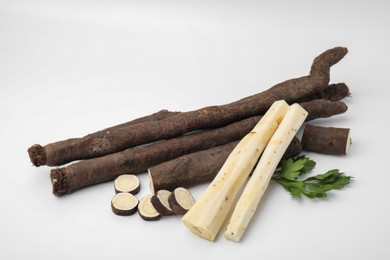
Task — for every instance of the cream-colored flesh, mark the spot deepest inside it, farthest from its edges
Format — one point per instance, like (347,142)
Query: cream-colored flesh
(126,183)
(124,203)
(146,209)
(257,184)
(184,198)
(207,215)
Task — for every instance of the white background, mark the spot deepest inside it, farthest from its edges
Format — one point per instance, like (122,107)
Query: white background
(68,68)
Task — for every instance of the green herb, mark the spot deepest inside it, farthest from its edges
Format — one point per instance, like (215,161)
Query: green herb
(292,169)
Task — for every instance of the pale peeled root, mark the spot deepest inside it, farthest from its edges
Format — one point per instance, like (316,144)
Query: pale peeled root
(257,184)
(207,215)
(127,183)
(181,201)
(160,202)
(146,209)
(124,204)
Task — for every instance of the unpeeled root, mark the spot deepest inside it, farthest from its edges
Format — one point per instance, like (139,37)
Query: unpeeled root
(122,138)
(199,167)
(138,159)
(124,204)
(326,140)
(65,151)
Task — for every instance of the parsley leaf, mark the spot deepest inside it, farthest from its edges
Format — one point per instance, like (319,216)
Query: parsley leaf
(291,168)
(313,187)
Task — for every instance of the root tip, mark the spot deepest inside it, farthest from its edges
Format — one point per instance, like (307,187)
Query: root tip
(59,182)
(37,155)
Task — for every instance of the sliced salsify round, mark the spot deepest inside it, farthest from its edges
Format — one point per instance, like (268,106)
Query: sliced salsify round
(124,204)
(127,183)
(160,202)
(181,201)
(146,209)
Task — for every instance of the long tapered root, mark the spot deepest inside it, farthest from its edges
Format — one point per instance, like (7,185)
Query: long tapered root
(124,137)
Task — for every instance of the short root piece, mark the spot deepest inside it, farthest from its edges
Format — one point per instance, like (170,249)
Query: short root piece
(326,140)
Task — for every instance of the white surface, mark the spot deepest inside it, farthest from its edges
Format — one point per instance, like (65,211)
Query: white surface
(68,68)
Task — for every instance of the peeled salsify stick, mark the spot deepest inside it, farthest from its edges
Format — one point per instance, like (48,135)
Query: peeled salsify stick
(257,184)
(207,215)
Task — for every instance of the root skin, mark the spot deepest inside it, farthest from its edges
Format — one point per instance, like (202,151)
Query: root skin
(62,152)
(326,140)
(139,159)
(121,138)
(200,167)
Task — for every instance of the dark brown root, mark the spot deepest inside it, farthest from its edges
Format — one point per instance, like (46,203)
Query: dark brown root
(60,182)
(139,159)
(334,92)
(199,167)
(37,154)
(320,68)
(326,140)
(62,152)
(121,138)
(322,108)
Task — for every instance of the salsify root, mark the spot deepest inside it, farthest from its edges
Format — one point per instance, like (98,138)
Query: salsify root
(207,215)
(202,166)
(322,108)
(199,167)
(119,139)
(334,92)
(60,152)
(139,159)
(256,186)
(326,140)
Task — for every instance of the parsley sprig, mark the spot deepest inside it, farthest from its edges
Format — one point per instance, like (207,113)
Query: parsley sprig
(290,173)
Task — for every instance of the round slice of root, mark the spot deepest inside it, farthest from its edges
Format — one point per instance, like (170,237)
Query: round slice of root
(127,183)
(160,202)
(146,209)
(180,201)
(124,204)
